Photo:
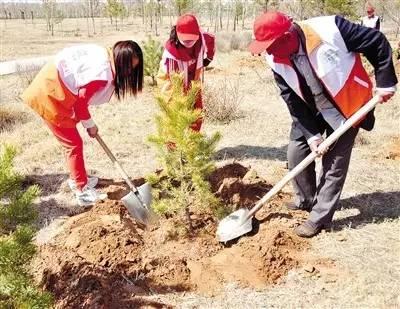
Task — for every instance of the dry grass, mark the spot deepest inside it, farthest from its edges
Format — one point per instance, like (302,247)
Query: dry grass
(222,100)
(364,243)
(229,41)
(362,139)
(26,74)
(10,117)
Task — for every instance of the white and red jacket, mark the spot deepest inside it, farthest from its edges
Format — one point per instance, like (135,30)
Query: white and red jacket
(190,68)
(333,45)
(79,76)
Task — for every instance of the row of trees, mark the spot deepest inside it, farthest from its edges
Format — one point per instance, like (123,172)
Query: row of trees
(218,14)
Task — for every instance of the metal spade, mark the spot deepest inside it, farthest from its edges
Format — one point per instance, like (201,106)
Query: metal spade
(239,222)
(138,200)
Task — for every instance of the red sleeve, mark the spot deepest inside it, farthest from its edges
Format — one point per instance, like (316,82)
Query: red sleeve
(81,107)
(210,43)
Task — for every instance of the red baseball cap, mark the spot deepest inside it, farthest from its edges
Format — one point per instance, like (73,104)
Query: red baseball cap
(187,28)
(267,28)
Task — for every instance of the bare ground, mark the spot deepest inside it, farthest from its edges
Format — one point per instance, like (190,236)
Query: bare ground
(364,241)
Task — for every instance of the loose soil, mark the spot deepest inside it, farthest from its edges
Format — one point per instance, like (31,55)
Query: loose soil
(104,259)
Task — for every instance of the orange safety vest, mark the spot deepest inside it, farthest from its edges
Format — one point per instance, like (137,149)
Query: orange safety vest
(339,70)
(49,97)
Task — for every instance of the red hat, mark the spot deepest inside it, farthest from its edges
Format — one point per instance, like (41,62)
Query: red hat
(267,28)
(187,28)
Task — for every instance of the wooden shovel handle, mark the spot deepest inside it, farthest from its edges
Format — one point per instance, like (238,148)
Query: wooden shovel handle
(356,117)
(116,163)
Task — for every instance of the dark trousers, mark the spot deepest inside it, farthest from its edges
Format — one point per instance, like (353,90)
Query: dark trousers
(321,197)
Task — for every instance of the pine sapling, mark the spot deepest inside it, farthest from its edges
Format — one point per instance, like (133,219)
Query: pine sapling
(152,50)
(185,155)
(17,216)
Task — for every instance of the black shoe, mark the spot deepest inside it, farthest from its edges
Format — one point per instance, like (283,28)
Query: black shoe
(293,206)
(307,229)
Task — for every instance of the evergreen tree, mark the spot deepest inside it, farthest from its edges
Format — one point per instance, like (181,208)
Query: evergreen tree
(152,57)
(185,155)
(116,9)
(16,233)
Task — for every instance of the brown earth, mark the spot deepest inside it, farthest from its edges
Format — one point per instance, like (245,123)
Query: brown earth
(103,259)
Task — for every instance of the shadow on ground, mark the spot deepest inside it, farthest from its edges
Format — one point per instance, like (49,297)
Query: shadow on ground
(56,199)
(373,207)
(248,152)
(49,184)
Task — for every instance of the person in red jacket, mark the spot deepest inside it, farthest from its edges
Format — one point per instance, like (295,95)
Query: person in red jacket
(63,90)
(187,51)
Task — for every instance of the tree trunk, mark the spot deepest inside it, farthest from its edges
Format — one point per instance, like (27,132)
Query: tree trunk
(94,26)
(243,16)
(151,18)
(160,12)
(216,20)
(220,14)
(143,12)
(210,13)
(228,17)
(170,15)
(87,26)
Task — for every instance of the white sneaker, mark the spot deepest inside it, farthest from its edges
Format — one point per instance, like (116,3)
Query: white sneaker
(89,196)
(91,183)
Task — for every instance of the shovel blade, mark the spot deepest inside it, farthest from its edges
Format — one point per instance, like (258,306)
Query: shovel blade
(139,207)
(234,225)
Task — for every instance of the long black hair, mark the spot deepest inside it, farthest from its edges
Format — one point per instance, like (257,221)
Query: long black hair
(128,79)
(173,37)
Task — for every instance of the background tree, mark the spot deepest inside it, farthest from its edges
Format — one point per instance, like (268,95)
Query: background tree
(392,10)
(116,9)
(93,7)
(49,8)
(340,7)
(182,6)
(152,50)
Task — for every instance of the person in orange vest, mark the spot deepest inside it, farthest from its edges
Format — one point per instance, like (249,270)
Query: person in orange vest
(318,69)
(79,77)
(371,20)
(187,51)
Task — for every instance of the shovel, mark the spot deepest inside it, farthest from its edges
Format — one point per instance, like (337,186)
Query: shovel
(138,200)
(239,222)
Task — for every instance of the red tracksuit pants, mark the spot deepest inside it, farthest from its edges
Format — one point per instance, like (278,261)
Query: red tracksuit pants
(72,143)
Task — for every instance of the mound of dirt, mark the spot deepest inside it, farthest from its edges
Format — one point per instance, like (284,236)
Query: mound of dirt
(103,259)
(236,185)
